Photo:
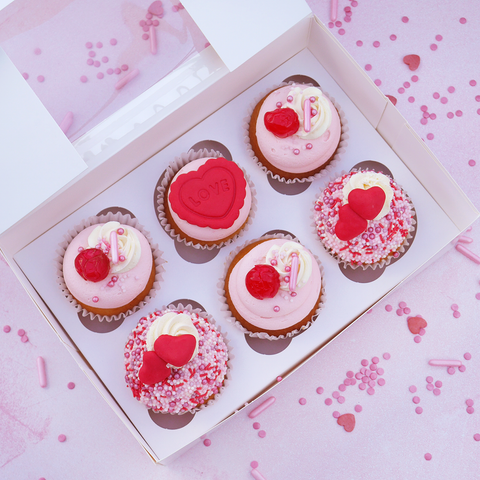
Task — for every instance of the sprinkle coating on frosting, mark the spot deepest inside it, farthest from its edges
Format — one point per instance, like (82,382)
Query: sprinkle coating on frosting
(383,236)
(187,387)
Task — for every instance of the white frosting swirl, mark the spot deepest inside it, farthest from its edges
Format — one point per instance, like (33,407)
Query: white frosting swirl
(321,121)
(366,180)
(173,324)
(128,245)
(283,258)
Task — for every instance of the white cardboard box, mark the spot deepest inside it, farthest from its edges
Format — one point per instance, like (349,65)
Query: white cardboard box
(119,174)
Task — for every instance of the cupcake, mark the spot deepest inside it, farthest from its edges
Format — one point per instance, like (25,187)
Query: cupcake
(295,131)
(273,286)
(109,268)
(205,201)
(175,361)
(364,218)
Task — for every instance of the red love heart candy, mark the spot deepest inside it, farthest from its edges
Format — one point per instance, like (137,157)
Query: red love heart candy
(282,122)
(211,196)
(413,61)
(347,421)
(415,324)
(367,203)
(154,369)
(392,99)
(350,224)
(175,350)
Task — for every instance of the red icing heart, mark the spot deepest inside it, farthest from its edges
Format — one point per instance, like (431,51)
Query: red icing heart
(415,324)
(347,421)
(156,8)
(175,350)
(153,370)
(262,281)
(212,196)
(392,99)
(282,122)
(413,61)
(350,224)
(367,203)
(92,264)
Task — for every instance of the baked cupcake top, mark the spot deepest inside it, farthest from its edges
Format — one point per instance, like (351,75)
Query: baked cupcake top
(274,285)
(363,217)
(175,361)
(298,128)
(107,265)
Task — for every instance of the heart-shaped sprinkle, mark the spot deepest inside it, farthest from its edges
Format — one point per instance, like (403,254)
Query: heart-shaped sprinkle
(156,8)
(349,224)
(367,203)
(175,350)
(392,99)
(413,61)
(415,324)
(347,421)
(211,196)
(282,122)
(154,369)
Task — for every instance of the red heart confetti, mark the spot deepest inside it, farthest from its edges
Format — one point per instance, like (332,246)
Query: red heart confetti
(212,196)
(415,324)
(153,370)
(347,421)
(392,99)
(367,203)
(175,350)
(349,224)
(413,61)
(282,122)
(156,8)
(262,281)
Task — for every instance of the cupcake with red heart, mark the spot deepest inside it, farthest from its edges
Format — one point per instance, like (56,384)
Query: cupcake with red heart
(295,132)
(364,218)
(273,287)
(204,199)
(176,361)
(109,268)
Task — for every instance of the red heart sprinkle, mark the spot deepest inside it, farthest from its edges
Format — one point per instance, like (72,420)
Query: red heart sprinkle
(262,281)
(415,324)
(156,8)
(92,264)
(212,196)
(347,421)
(175,350)
(413,61)
(392,99)
(367,203)
(154,369)
(282,122)
(350,224)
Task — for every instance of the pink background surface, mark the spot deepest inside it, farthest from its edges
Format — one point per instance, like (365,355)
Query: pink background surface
(304,441)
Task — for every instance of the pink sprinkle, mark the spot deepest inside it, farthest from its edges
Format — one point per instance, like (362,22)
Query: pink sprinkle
(335,414)
(429,379)
(429,387)
(467,356)
(342,387)
(411,99)
(83,79)
(89,61)
(472,82)
(37,51)
(207,442)
(416,399)
(405,19)
(145,36)
(476,437)
(354,3)
(371,383)
(262,433)
(21,332)
(422,332)
(104,59)
(109,71)
(462,368)
(70,385)
(302,401)
(320,390)
(25,76)
(402,304)
(359,43)
(436,95)
(419,410)
(364,362)
(7,329)
(96,63)
(89,45)
(376,43)
(469,402)
(386,356)
(414,78)
(350,374)
(100,75)
(406,85)
(470,410)
(362,386)
(368,67)
(472,163)
(41,78)
(433,116)
(358,408)
(417,339)
(377,82)
(370,391)
(388,308)
(92,54)
(99,44)
(436,391)
(438,38)
(444,100)
(117,71)
(328,401)
(430,136)
(335,394)
(149,16)
(438,384)
(412,388)
(451,370)
(375,360)
(458,113)
(254,464)
(113,41)
(124,67)
(463,20)
(256,425)
(433,47)
(399,312)
(451,89)
(457,314)
(454,306)
(155,23)
(341,399)
(62,438)
(331,24)
(380,371)
(24,339)
(341,31)
(338,23)
(428,456)
(450,115)
(393,38)
(406,310)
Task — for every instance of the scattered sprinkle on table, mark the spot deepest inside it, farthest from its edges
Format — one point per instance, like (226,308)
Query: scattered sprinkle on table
(7,328)
(71,385)
(428,456)
(262,433)
(256,426)
(207,442)
(62,438)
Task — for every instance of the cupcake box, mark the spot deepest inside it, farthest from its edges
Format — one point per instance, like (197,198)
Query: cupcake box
(126,158)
